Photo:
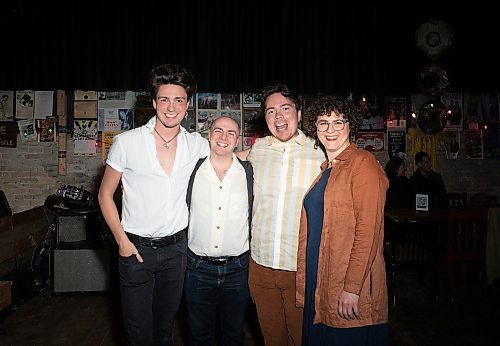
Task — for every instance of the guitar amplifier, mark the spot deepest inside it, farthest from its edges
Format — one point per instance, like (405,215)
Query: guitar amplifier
(71,228)
(81,268)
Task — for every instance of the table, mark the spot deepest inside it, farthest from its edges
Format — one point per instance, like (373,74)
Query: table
(410,243)
(414,216)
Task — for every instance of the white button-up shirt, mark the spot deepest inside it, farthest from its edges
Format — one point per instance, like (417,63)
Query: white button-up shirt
(154,203)
(218,223)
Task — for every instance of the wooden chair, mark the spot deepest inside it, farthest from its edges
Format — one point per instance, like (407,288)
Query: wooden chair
(409,246)
(457,199)
(462,246)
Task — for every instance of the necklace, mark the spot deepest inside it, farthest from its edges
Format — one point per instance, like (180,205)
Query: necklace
(163,139)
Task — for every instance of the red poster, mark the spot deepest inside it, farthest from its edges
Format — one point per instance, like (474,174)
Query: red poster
(370,141)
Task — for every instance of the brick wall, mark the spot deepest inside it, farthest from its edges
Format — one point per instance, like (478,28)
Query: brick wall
(29,173)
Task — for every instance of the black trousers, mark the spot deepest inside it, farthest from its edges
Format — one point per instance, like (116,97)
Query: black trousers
(151,292)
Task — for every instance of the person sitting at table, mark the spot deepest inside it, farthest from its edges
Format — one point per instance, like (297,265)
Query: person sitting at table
(399,194)
(428,182)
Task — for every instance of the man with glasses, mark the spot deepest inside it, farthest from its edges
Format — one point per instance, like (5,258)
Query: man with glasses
(285,164)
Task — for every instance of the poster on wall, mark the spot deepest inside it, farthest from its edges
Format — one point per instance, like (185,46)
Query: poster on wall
(473,109)
(491,108)
(125,119)
(491,140)
(44,104)
(236,115)
(230,101)
(25,102)
(207,101)
(396,112)
(473,144)
(107,141)
(6,105)
(451,142)
(203,119)
(85,95)
(188,121)
(453,103)
(85,109)
(372,116)
(46,130)
(251,100)
(254,123)
(370,141)
(396,143)
(85,136)
(107,119)
(27,130)
(8,135)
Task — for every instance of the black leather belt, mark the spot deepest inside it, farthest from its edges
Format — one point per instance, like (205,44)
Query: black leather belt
(217,260)
(156,243)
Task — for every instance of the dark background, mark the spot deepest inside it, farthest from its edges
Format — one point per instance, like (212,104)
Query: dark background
(240,46)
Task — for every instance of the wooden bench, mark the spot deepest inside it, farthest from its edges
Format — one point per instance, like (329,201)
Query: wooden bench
(19,234)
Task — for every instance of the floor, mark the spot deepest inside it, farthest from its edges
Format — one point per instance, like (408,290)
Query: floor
(85,318)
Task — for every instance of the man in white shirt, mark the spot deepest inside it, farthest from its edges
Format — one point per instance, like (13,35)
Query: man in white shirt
(153,164)
(220,201)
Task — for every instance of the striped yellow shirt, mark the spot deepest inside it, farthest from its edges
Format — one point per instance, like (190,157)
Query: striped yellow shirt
(282,174)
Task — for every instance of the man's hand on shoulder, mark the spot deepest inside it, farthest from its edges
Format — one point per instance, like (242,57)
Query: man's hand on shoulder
(242,155)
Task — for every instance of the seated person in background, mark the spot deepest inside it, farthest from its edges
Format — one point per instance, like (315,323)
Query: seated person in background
(399,193)
(428,182)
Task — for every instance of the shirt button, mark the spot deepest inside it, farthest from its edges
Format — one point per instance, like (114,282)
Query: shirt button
(220,187)
(218,227)
(220,208)
(216,246)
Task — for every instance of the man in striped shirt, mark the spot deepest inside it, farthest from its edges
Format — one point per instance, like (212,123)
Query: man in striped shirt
(285,164)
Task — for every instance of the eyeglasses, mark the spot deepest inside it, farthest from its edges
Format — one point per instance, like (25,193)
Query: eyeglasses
(337,125)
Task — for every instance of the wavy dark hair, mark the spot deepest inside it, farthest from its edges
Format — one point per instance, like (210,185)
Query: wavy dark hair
(171,74)
(392,167)
(325,105)
(280,89)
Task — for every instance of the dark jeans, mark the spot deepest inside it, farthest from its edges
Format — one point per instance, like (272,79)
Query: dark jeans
(151,292)
(210,289)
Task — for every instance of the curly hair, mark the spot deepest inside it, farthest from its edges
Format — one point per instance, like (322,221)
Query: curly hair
(325,105)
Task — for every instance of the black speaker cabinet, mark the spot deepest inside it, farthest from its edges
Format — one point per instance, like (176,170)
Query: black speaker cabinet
(71,228)
(80,269)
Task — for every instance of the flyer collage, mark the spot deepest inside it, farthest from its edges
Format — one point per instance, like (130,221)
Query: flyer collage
(466,123)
